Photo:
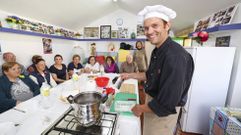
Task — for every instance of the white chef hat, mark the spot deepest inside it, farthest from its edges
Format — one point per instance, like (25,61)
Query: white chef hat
(159,11)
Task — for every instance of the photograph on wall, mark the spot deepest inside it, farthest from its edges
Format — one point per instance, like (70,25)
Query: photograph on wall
(47,45)
(114,33)
(140,31)
(105,31)
(91,32)
(222,41)
(123,32)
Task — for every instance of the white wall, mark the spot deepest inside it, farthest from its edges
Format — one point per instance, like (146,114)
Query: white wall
(129,21)
(24,47)
(234,93)
(234,99)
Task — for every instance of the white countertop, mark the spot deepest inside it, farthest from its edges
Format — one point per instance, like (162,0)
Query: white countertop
(36,119)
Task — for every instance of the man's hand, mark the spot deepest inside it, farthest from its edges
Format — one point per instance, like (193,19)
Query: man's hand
(125,76)
(139,109)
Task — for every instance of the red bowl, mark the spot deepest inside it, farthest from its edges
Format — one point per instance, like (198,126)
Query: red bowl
(102,81)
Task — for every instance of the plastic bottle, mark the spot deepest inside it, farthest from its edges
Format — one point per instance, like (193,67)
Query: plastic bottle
(45,93)
(102,70)
(75,79)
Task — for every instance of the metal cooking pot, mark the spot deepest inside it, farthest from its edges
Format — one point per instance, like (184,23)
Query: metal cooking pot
(87,107)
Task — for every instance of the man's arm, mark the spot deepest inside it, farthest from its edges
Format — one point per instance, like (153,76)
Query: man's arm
(139,76)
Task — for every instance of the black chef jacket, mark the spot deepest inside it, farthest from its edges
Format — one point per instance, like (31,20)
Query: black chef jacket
(168,77)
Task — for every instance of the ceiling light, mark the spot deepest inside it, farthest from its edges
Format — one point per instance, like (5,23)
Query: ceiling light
(115,0)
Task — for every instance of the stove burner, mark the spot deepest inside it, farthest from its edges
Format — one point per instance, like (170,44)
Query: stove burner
(68,125)
(95,129)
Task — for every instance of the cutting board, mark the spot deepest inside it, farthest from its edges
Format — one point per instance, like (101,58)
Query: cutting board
(127,98)
(127,88)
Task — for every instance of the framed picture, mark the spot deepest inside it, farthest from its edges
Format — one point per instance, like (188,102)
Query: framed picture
(91,32)
(140,31)
(114,34)
(222,41)
(221,17)
(224,16)
(105,31)
(47,46)
(202,24)
(123,32)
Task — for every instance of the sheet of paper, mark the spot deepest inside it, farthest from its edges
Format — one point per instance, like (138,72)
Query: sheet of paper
(124,106)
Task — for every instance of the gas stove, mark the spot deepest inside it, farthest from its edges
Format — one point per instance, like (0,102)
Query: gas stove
(68,125)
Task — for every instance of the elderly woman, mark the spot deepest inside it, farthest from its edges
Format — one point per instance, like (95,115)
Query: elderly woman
(15,88)
(129,66)
(110,65)
(92,65)
(41,75)
(59,70)
(140,57)
(75,66)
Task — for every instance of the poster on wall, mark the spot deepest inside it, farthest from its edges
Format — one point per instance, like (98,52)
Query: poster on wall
(47,45)
(222,41)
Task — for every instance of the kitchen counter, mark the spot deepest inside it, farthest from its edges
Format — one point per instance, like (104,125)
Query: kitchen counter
(33,119)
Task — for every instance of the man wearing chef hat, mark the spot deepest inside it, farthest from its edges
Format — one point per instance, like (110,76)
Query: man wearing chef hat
(168,76)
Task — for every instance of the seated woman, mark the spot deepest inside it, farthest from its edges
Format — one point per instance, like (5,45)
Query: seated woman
(92,65)
(75,66)
(129,66)
(110,65)
(59,70)
(32,67)
(41,75)
(15,88)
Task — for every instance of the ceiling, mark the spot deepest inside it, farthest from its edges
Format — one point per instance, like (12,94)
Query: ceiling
(74,13)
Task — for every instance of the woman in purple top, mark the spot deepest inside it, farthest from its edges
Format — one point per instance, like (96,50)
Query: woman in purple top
(110,65)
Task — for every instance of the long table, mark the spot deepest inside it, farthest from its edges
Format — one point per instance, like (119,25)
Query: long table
(35,119)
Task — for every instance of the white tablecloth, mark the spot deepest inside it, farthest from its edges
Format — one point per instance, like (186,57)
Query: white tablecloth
(36,119)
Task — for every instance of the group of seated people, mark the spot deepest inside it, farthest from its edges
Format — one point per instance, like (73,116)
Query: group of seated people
(18,84)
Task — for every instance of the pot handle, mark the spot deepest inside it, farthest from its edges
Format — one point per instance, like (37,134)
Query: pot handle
(70,99)
(104,98)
